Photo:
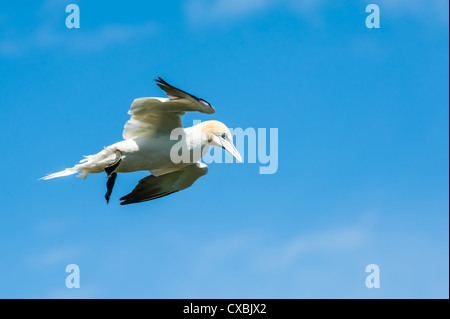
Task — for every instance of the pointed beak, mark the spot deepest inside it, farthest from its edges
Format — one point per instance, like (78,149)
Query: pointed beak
(228,146)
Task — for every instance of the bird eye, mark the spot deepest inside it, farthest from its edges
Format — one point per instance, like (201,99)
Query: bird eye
(224,135)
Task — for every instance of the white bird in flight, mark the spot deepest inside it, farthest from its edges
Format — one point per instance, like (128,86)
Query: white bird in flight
(147,145)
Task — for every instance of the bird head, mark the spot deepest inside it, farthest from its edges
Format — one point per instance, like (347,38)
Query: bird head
(218,134)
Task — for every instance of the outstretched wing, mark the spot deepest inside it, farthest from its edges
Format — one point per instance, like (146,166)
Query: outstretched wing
(175,93)
(152,187)
(150,114)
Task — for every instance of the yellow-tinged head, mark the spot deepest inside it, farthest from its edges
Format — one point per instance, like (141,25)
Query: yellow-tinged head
(218,134)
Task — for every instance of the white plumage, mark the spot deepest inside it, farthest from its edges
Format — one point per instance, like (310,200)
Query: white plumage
(147,145)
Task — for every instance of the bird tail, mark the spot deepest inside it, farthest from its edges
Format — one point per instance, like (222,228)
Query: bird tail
(90,164)
(66,172)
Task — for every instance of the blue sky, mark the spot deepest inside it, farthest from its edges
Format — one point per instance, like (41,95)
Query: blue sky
(362,116)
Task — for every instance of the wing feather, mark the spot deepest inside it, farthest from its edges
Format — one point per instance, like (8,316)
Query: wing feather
(150,115)
(152,187)
(173,92)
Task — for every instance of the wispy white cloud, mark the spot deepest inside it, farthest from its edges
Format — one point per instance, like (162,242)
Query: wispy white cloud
(47,37)
(48,33)
(433,9)
(54,257)
(280,255)
(271,261)
(200,12)
(235,7)
(325,242)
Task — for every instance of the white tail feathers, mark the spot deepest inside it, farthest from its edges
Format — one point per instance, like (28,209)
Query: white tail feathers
(66,172)
(90,164)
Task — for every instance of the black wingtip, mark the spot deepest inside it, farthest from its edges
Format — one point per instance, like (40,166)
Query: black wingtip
(160,80)
(124,200)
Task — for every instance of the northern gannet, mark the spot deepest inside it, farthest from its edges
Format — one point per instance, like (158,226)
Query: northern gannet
(147,145)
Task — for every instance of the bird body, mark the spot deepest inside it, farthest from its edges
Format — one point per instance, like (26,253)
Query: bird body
(153,138)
